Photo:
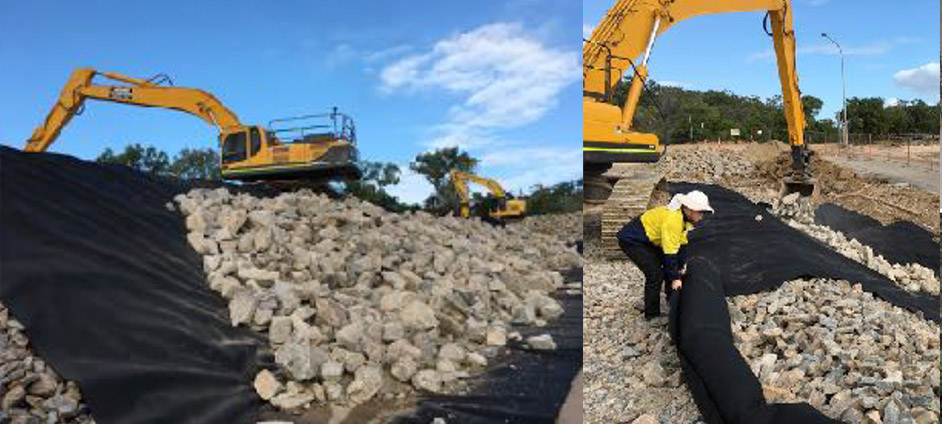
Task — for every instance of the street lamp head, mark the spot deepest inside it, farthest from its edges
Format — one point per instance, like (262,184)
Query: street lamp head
(824,34)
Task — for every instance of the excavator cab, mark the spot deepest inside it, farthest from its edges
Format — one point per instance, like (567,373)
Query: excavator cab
(240,145)
(321,146)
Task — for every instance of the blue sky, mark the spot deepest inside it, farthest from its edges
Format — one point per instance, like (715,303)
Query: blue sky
(499,78)
(891,50)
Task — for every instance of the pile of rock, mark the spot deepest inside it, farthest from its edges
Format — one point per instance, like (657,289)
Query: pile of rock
(30,390)
(630,365)
(794,207)
(799,214)
(704,163)
(357,301)
(837,347)
(567,227)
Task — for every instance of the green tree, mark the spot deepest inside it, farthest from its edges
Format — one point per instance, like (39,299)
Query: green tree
(563,197)
(435,166)
(371,186)
(146,159)
(811,106)
(196,164)
(867,115)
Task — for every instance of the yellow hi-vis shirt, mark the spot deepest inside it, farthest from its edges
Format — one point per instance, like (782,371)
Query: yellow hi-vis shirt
(666,228)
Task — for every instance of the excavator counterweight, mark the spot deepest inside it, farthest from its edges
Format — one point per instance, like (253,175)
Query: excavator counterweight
(323,150)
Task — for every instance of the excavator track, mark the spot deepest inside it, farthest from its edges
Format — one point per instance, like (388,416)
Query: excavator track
(643,186)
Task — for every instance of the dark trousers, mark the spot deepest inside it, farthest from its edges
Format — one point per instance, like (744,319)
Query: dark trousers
(649,258)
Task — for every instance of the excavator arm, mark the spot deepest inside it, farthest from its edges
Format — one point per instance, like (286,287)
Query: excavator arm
(138,92)
(624,41)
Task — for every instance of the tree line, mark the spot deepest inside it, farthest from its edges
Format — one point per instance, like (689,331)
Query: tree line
(434,166)
(679,116)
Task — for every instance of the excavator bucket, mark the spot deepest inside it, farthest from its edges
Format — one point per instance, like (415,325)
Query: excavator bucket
(805,187)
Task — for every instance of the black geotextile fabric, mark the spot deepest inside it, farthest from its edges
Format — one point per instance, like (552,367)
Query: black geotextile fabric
(100,273)
(901,242)
(733,254)
(526,386)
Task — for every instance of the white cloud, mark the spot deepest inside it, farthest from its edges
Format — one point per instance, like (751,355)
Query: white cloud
(387,53)
(450,135)
(505,78)
(412,187)
(766,54)
(339,55)
(543,166)
(923,79)
(531,155)
(890,102)
(587,31)
(829,49)
(907,40)
(874,49)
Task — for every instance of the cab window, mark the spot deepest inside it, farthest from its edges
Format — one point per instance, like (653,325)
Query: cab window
(233,148)
(256,137)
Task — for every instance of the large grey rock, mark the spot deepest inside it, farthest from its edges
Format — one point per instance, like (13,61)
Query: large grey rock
(280,329)
(404,368)
(452,352)
(331,371)
(299,358)
(427,380)
(242,306)
(541,342)
(292,401)
(366,383)
(349,336)
(416,314)
(261,218)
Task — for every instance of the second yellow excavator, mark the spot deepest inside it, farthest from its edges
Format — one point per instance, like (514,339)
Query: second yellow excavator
(507,209)
(624,41)
(324,147)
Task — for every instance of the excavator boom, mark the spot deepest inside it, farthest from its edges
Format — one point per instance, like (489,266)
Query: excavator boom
(624,41)
(140,93)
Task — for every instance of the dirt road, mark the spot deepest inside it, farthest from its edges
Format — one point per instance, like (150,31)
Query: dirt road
(893,171)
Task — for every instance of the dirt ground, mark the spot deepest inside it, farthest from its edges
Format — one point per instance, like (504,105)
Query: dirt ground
(916,165)
(874,195)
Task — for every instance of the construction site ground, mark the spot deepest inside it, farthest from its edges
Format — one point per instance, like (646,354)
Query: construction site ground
(916,165)
(632,373)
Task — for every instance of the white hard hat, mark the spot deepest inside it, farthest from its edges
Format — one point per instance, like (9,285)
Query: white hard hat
(696,200)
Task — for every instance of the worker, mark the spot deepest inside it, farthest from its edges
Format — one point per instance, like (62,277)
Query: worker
(656,242)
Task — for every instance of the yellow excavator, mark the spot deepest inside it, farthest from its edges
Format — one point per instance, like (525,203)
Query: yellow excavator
(507,209)
(624,41)
(323,146)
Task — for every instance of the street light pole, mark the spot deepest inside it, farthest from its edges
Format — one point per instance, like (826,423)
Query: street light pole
(843,89)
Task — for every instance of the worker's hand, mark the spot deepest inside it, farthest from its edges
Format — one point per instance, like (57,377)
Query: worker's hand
(676,284)
(683,271)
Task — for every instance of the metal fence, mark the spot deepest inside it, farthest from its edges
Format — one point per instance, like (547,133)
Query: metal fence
(913,150)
